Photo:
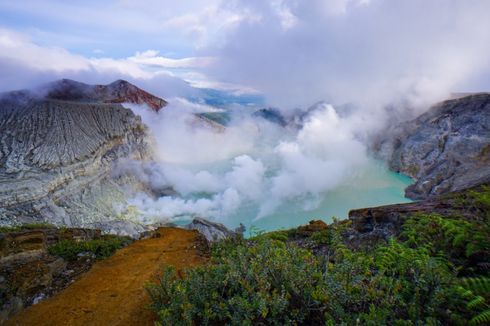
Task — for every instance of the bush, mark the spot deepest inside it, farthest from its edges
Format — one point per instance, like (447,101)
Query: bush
(100,248)
(465,243)
(394,284)
(264,284)
(476,291)
(270,283)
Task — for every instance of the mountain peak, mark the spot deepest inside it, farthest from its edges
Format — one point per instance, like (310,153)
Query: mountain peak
(119,91)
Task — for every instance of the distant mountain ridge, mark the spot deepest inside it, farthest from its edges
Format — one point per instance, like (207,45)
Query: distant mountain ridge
(119,91)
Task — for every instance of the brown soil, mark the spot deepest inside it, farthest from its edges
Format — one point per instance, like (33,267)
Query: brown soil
(112,292)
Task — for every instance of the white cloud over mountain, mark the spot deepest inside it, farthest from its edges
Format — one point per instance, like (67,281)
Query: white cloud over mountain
(373,52)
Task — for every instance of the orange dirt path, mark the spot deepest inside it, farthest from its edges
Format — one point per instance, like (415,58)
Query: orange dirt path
(112,292)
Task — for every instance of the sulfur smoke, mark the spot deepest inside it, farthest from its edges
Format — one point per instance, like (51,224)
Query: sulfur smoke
(216,171)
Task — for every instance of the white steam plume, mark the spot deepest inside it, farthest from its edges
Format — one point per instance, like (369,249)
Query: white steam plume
(251,162)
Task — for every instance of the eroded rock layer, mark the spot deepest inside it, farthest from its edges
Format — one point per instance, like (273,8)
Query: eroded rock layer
(56,158)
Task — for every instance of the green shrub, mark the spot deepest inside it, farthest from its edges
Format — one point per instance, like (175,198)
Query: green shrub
(266,283)
(332,235)
(456,239)
(394,284)
(100,248)
(476,291)
(270,283)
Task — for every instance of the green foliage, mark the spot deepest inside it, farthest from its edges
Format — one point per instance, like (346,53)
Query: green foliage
(100,248)
(476,291)
(481,196)
(332,235)
(271,283)
(476,200)
(266,283)
(456,239)
(281,235)
(394,284)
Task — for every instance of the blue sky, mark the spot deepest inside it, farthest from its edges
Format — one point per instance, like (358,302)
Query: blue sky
(296,52)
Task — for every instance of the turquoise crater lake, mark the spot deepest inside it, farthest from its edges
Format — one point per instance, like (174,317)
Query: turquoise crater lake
(375,185)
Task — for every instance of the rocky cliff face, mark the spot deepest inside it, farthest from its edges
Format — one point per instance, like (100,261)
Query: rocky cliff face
(56,154)
(446,149)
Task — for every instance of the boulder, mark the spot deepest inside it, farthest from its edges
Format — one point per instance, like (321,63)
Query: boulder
(211,231)
(369,226)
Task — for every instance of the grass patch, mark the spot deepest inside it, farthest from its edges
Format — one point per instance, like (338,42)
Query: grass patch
(100,248)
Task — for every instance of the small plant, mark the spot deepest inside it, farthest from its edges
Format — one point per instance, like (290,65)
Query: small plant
(481,196)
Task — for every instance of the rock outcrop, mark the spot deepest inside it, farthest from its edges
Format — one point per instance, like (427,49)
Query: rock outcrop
(57,151)
(444,150)
(272,115)
(211,231)
(371,225)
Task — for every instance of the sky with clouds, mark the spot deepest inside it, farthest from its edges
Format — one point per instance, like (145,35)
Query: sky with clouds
(295,52)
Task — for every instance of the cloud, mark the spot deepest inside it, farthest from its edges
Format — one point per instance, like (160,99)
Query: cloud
(35,64)
(369,52)
(17,47)
(252,163)
(179,26)
(372,52)
(324,153)
(183,138)
(151,58)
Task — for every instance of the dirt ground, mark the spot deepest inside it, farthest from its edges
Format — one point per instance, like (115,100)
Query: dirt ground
(112,292)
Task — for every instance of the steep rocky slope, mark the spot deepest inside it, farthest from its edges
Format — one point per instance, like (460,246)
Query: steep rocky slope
(446,149)
(57,150)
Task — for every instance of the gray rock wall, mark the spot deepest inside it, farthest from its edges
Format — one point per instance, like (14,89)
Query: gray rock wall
(56,157)
(444,150)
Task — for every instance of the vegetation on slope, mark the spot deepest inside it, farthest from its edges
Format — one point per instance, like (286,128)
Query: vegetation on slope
(435,272)
(99,248)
